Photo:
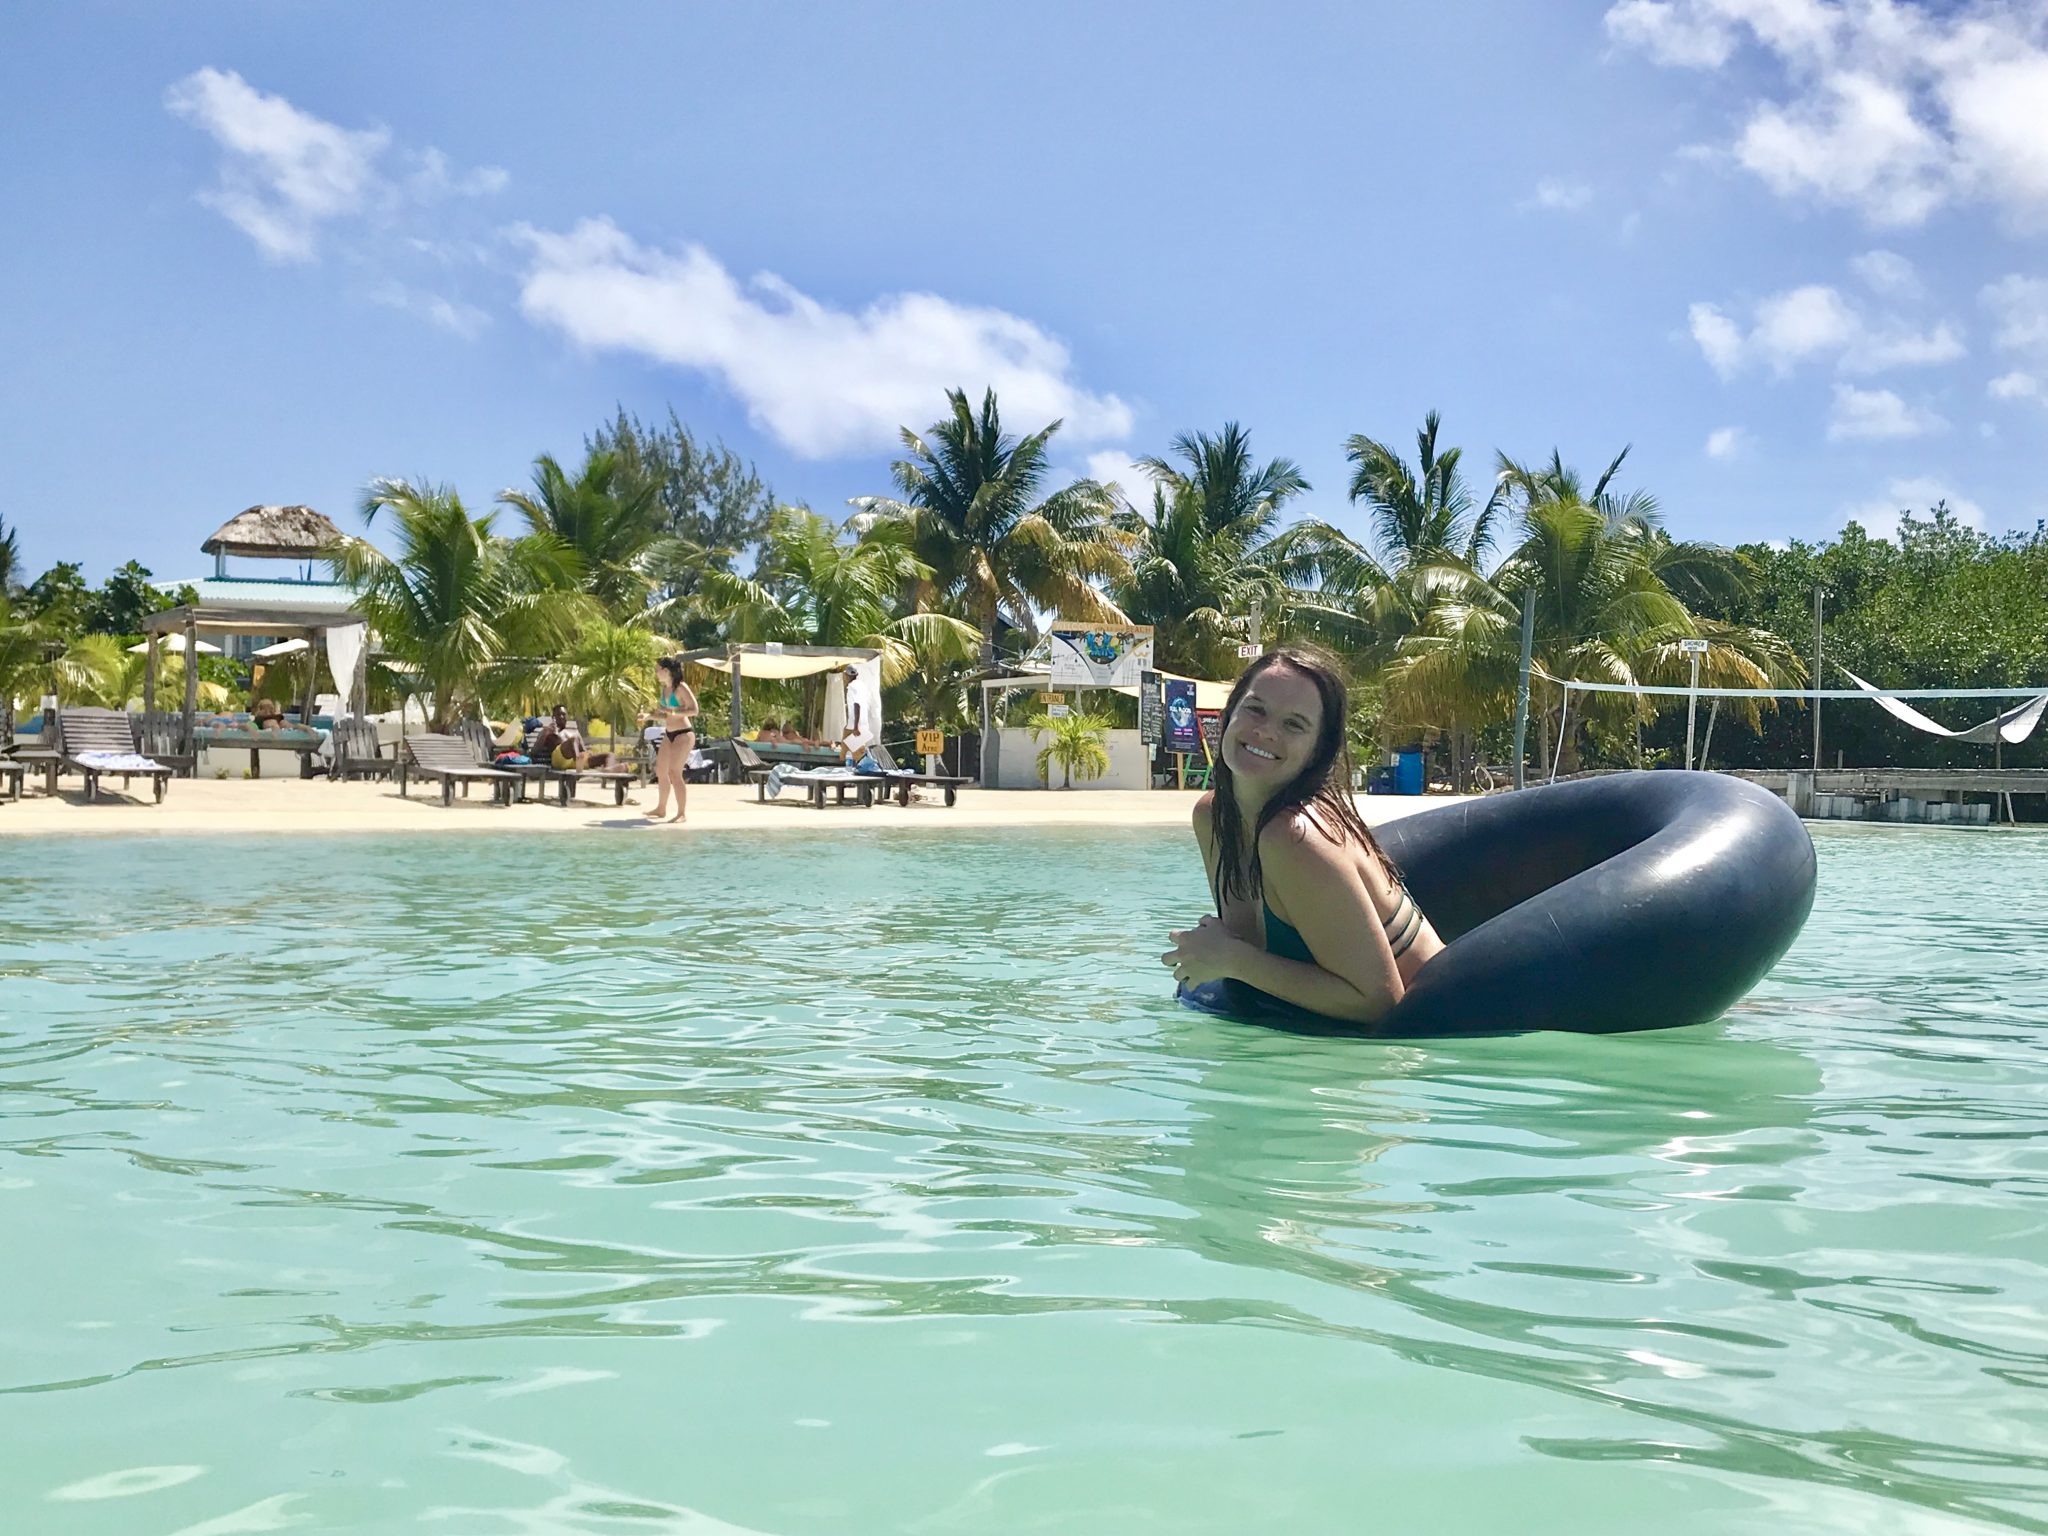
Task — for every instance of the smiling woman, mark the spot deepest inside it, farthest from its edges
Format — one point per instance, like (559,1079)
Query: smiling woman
(1309,909)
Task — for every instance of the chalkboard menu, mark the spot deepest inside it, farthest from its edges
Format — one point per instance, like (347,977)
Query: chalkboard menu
(1211,722)
(1151,709)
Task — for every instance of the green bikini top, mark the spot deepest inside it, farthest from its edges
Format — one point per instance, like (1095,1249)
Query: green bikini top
(1403,924)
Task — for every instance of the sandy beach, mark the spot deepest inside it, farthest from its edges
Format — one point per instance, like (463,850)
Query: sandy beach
(289,807)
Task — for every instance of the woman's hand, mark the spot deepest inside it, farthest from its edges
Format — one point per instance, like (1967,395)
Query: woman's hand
(1205,952)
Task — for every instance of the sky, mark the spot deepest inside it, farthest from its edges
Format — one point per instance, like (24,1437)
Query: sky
(1794,253)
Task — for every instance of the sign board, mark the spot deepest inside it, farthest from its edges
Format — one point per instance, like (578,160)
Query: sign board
(1100,655)
(772,647)
(1052,698)
(1151,713)
(1249,649)
(1211,721)
(1181,733)
(930,743)
(1692,647)
(1056,711)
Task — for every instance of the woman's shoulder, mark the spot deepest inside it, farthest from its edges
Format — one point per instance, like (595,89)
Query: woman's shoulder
(1297,836)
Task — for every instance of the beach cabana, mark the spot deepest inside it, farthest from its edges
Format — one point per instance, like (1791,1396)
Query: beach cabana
(1209,694)
(297,608)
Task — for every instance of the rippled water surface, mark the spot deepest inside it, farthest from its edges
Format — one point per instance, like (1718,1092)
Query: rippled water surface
(834,1183)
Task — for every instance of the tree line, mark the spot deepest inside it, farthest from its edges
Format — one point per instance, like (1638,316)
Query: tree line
(655,541)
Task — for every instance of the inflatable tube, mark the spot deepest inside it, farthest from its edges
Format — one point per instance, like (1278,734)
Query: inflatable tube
(1630,901)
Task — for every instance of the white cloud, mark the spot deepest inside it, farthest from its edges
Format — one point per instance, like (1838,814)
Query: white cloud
(1877,413)
(2014,386)
(1724,442)
(2019,306)
(1895,110)
(1815,322)
(1559,196)
(285,174)
(1879,516)
(1719,338)
(464,320)
(1116,467)
(824,381)
(1887,272)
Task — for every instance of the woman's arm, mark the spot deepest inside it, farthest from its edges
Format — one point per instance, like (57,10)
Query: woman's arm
(686,699)
(1354,976)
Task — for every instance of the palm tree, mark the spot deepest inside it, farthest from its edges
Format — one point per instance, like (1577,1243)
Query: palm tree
(606,672)
(1079,745)
(1604,574)
(1211,551)
(458,603)
(606,524)
(10,560)
(814,587)
(994,547)
(1430,541)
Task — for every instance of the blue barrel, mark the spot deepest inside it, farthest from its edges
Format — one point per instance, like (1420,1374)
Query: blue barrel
(1408,772)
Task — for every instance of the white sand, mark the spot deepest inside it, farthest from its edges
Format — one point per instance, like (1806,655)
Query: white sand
(295,807)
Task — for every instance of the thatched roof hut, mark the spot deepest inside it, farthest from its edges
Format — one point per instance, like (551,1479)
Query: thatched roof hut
(273,533)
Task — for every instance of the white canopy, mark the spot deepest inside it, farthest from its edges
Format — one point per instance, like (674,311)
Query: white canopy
(775,663)
(174,643)
(1208,693)
(282,648)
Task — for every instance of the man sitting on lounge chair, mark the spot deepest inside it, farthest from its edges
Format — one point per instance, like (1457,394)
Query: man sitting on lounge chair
(560,745)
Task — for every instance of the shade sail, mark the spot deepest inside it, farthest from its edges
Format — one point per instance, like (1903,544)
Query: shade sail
(174,644)
(780,665)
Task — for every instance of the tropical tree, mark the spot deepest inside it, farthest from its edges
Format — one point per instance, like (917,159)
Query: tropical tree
(1421,516)
(464,607)
(815,586)
(607,671)
(10,560)
(1079,746)
(1607,580)
(1211,550)
(994,545)
(605,523)
(37,658)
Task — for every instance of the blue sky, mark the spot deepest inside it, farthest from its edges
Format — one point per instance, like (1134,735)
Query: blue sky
(1792,250)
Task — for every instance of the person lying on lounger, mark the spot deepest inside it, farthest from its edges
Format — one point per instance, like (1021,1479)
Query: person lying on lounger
(560,745)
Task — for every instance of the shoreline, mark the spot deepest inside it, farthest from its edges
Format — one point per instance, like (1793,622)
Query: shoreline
(317,807)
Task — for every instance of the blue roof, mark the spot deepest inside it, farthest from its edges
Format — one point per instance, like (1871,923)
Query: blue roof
(248,591)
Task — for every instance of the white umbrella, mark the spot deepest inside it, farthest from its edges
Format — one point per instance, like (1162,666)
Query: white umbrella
(175,643)
(282,648)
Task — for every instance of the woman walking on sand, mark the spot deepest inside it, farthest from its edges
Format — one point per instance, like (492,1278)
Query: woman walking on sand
(675,711)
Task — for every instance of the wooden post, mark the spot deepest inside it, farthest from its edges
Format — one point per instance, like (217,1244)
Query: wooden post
(313,639)
(189,739)
(149,680)
(736,718)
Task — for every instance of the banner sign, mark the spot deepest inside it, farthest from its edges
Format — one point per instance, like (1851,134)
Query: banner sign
(1100,655)
(1151,718)
(1181,735)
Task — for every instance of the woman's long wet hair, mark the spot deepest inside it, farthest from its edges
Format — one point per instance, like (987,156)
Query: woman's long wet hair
(1322,788)
(672,667)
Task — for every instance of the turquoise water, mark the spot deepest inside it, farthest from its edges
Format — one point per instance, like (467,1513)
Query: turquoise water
(832,1183)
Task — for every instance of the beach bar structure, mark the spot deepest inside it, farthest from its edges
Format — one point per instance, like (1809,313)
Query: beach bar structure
(261,608)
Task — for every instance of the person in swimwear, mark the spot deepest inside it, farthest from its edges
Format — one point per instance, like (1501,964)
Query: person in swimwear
(1309,908)
(675,709)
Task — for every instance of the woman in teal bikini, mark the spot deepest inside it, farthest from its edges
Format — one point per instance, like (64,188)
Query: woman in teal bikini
(675,712)
(1308,906)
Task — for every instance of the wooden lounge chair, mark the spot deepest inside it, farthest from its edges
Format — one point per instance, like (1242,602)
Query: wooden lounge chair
(747,765)
(100,741)
(903,780)
(453,761)
(357,752)
(817,783)
(160,734)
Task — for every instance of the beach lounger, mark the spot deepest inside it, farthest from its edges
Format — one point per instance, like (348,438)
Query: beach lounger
(12,772)
(158,735)
(902,781)
(100,741)
(817,783)
(747,765)
(453,761)
(357,753)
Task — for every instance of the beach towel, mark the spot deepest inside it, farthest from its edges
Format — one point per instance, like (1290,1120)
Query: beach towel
(118,762)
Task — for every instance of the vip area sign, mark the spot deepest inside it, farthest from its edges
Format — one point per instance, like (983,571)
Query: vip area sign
(1100,655)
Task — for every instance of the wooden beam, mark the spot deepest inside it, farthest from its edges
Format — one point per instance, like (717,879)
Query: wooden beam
(190,734)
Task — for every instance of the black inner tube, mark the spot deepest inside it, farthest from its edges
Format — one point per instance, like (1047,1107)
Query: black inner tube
(1630,901)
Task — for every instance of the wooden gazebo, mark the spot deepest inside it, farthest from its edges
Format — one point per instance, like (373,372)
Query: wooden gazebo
(307,622)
